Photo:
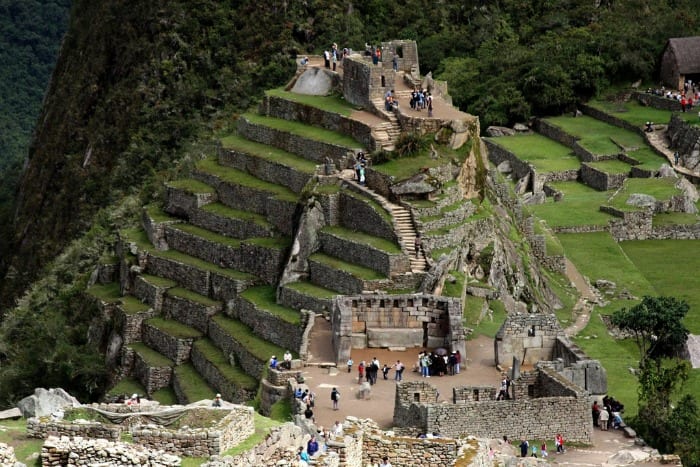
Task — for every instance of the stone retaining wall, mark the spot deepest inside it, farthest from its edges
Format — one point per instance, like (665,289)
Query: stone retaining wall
(267,325)
(213,376)
(499,154)
(36,428)
(299,301)
(465,210)
(657,102)
(190,312)
(529,337)
(129,324)
(478,231)
(364,254)
(685,138)
(148,293)
(599,180)
(316,151)
(79,451)
(278,107)
(7,455)
(232,227)
(555,263)
(179,202)
(234,349)
(176,349)
(155,230)
(675,232)
(265,169)
(611,119)
(341,281)
(152,378)
(357,214)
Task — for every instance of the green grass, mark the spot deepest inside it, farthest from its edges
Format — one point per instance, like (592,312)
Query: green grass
(313,290)
(647,158)
(333,103)
(263,425)
(440,251)
(306,131)
(150,356)
(14,433)
(660,188)
(448,228)
(405,167)
(208,235)
(187,294)
(127,387)
(192,186)
(157,281)
(672,268)
(361,237)
(372,203)
(106,292)
(193,461)
(580,206)
(614,166)
(454,289)
(561,286)
(545,154)
(192,384)
(132,305)
(174,328)
(277,243)
(675,218)
(225,211)
(552,244)
(354,269)
(166,396)
(632,112)
(596,136)
(598,256)
(237,177)
(264,297)
(326,188)
(486,326)
(156,213)
(260,348)
(269,153)
(233,375)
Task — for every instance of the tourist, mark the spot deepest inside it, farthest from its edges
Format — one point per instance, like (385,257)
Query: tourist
(308,413)
(649,127)
(362,174)
(395,62)
(398,369)
(338,429)
(335,398)
(360,371)
(304,61)
(217,401)
(458,362)
(417,244)
(273,362)
(524,445)
(430,105)
(327,59)
(604,417)
(302,457)
(134,400)
(451,361)
(595,413)
(298,392)
(287,360)
(385,372)
(350,364)
(534,451)
(559,443)
(425,363)
(543,450)
(312,446)
(385,462)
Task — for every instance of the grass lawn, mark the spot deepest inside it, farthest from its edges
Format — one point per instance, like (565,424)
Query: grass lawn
(187,294)
(174,328)
(405,167)
(264,297)
(260,348)
(545,154)
(568,295)
(659,188)
(596,136)
(233,374)
(192,186)
(334,103)
(14,433)
(454,289)
(638,114)
(485,326)
(598,256)
(127,387)
(614,166)
(192,384)
(672,267)
(361,237)
(269,153)
(106,292)
(313,290)
(648,158)
(224,211)
(356,270)
(150,356)
(580,206)
(263,425)
(132,305)
(306,131)
(675,218)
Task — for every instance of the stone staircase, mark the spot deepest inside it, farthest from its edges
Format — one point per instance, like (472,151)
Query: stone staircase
(387,133)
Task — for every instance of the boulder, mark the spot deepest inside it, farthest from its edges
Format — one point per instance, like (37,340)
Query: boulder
(641,200)
(666,171)
(418,184)
(628,456)
(497,131)
(314,81)
(521,128)
(690,195)
(523,183)
(602,284)
(10,413)
(46,401)
(504,167)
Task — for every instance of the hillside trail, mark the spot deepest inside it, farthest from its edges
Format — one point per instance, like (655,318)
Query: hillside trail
(587,298)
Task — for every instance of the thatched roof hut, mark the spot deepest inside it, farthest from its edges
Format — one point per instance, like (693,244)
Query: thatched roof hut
(681,61)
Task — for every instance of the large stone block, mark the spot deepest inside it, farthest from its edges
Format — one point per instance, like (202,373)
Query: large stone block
(394,337)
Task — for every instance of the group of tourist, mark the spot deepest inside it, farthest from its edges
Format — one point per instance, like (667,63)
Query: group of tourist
(334,56)
(286,363)
(432,364)
(609,415)
(360,166)
(318,444)
(526,450)
(687,97)
(421,99)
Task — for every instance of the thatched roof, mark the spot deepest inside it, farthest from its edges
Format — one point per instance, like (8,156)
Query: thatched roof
(687,52)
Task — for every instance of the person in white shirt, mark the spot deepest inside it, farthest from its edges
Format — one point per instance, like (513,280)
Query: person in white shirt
(385,462)
(337,429)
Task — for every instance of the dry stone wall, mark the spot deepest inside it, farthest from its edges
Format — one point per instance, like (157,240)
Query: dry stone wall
(364,254)
(151,377)
(658,102)
(356,213)
(36,428)
(190,312)
(81,451)
(236,228)
(175,348)
(529,337)
(129,324)
(599,180)
(7,455)
(243,358)
(266,325)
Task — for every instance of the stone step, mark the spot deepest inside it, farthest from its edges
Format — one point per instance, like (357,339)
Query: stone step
(190,308)
(170,338)
(262,257)
(151,368)
(266,162)
(235,223)
(221,372)
(308,296)
(189,386)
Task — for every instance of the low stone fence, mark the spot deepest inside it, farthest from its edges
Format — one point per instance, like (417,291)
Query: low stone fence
(294,299)
(36,428)
(80,451)
(658,102)
(151,377)
(279,107)
(175,348)
(675,232)
(498,154)
(599,180)
(190,312)
(7,455)
(317,151)
(555,263)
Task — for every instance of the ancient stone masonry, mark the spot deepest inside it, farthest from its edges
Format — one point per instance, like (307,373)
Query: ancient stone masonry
(7,455)
(602,181)
(356,213)
(43,429)
(80,451)
(539,400)
(396,321)
(685,138)
(658,102)
(618,122)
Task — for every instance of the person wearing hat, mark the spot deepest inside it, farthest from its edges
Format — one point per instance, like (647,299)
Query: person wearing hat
(135,400)
(217,401)
(273,362)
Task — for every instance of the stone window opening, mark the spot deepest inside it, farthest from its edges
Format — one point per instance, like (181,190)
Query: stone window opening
(531,331)
(476,395)
(416,397)
(383,81)
(531,390)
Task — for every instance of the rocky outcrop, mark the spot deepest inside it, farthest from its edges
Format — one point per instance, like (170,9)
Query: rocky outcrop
(44,402)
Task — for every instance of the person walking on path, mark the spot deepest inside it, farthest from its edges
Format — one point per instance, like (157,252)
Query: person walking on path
(398,368)
(603,418)
(543,450)
(676,158)
(335,397)
(595,413)
(524,445)
(417,244)
(350,364)
(559,443)
(360,371)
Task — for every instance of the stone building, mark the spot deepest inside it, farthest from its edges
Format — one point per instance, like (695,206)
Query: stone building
(680,61)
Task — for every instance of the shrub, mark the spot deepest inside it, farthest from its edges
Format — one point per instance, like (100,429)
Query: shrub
(410,144)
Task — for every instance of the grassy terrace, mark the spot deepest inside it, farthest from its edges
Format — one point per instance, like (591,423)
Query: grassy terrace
(613,166)
(268,153)
(193,385)
(675,218)
(361,237)
(158,215)
(448,228)
(659,188)
(372,203)
(637,114)
(580,206)
(647,157)
(157,281)
(139,237)
(360,272)
(305,131)
(232,374)
(597,136)
(545,154)
(260,348)
(222,210)
(264,297)
(127,387)
(174,328)
(106,292)
(405,167)
(150,356)
(132,305)
(236,177)
(191,186)
(334,103)
(192,296)
(312,290)
(208,235)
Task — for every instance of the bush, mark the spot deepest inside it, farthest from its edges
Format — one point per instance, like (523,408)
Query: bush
(410,144)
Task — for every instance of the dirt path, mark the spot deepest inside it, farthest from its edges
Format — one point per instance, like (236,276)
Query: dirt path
(587,298)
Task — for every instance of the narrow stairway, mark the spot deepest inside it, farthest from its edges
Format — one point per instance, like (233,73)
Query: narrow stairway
(388,132)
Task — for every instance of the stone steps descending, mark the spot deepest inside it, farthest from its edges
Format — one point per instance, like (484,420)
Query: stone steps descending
(189,386)
(170,338)
(216,367)
(346,278)
(385,134)
(316,144)
(304,295)
(235,223)
(241,190)
(190,308)
(363,249)
(266,162)
(151,368)
(249,351)
(262,257)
